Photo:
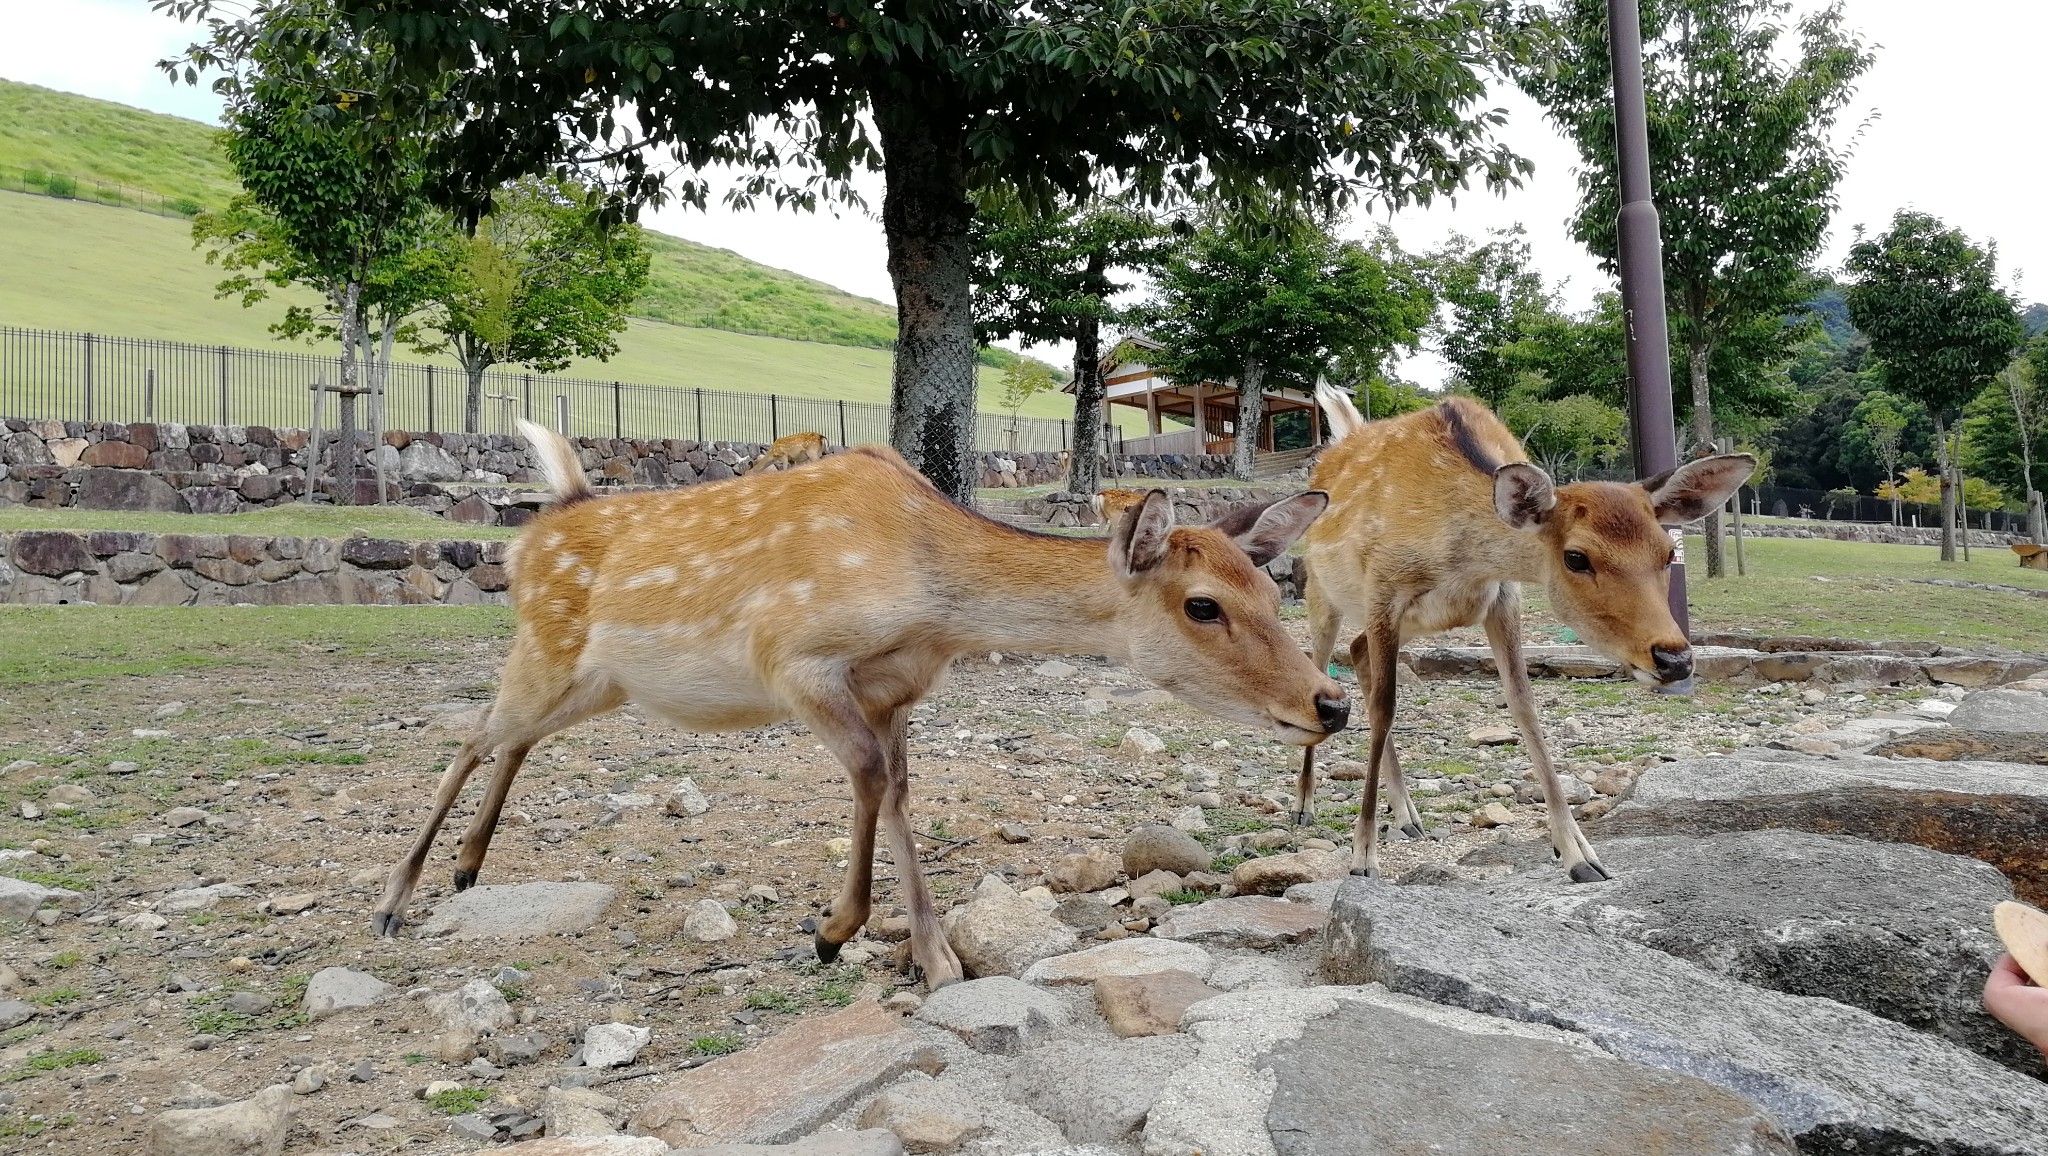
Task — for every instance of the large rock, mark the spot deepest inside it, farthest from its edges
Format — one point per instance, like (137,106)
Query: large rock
(334,989)
(788,1085)
(1836,1078)
(577,1112)
(1089,871)
(2011,711)
(613,1045)
(520,910)
(1954,744)
(866,1142)
(1989,811)
(1242,921)
(1002,933)
(133,490)
(1134,956)
(426,462)
(1098,1092)
(51,552)
(1897,930)
(1373,1079)
(20,898)
(1149,1005)
(477,1007)
(998,1015)
(1159,848)
(253,1127)
(928,1116)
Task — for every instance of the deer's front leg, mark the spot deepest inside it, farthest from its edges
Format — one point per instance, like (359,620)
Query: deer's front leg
(1504,631)
(1375,653)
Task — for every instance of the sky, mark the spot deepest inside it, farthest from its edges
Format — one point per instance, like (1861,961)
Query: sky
(1940,124)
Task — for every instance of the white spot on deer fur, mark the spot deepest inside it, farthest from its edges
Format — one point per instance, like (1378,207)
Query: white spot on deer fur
(564,561)
(853,559)
(657,575)
(800,591)
(553,540)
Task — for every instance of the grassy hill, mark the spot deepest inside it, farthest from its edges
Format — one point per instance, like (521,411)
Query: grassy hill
(46,131)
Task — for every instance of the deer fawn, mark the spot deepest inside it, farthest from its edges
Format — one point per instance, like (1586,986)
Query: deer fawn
(791,450)
(1435,518)
(839,594)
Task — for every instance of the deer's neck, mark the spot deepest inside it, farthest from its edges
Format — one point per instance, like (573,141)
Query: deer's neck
(1521,555)
(1035,594)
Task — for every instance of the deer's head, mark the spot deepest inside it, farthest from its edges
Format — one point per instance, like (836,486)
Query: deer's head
(1203,619)
(1606,556)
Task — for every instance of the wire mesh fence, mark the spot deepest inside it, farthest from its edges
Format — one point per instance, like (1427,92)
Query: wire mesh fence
(88,377)
(66,187)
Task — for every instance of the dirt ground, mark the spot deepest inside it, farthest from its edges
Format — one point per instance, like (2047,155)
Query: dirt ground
(314,775)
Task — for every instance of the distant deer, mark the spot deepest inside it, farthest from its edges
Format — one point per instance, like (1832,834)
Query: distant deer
(1112,502)
(1435,518)
(790,450)
(839,594)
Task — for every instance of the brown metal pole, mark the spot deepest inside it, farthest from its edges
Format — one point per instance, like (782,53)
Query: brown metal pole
(1652,430)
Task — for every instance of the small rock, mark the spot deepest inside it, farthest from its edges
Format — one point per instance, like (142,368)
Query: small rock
(904,1002)
(20,898)
(709,922)
(613,1045)
(577,1112)
(200,898)
(1190,820)
(1492,815)
(928,1116)
(68,795)
(997,1015)
(248,1003)
(1149,1005)
(511,1049)
(477,1007)
(334,989)
(1159,848)
(308,1081)
(293,904)
(1126,957)
(1092,871)
(686,799)
(183,816)
(1494,736)
(1205,801)
(364,1072)
(123,768)
(1141,744)
(518,911)
(254,1127)
(471,1126)
(1154,883)
(1013,833)
(1055,669)
(1274,874)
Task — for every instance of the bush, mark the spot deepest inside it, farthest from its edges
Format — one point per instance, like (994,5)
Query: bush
(59,185)
(34,177)
(186,206)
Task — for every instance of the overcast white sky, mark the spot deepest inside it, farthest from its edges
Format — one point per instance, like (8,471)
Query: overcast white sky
(1951,129)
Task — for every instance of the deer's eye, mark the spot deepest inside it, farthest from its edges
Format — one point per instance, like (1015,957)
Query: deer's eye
(1204,609)
(1577,562)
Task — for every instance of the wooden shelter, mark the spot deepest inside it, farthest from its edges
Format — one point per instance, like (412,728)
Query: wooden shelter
(1209,408)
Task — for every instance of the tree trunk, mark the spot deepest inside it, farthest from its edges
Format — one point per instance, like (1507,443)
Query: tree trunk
(1962,496)
(1948,490)
(474,365)
(1251,405)
(1698,353)
(351,377)
(1084,462)
(926,214)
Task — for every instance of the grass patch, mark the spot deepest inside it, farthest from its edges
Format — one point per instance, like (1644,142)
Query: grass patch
(717,1044)
(219,1022)
(62,644)
(775,1001)
(43,1062)
(57,996)
(833,994)
(456,1101)
(1183,897)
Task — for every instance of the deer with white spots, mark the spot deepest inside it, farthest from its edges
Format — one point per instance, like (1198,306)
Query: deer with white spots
(1435,519)
(838,594)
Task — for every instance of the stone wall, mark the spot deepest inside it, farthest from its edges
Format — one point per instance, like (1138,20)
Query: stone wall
(130,568)
(1873,532)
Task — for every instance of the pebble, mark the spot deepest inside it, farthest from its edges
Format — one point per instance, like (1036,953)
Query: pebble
(709,922)
(309,1081)
(1492,815)
(1139,743)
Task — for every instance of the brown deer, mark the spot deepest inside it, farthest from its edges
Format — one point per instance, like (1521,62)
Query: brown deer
(1435,519)
(1112,502)
(790,450)
(838,594)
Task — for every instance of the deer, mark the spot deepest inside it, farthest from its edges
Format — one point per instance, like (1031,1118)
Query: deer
(1436,517)
(790,450)
(1112,502)
(839,594)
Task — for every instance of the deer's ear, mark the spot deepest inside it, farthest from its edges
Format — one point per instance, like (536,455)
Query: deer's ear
(1266,531)
(1697,488)
(1139,541)
(1523,495)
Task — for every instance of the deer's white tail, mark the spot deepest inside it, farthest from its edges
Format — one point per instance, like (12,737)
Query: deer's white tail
(557,462)
(1343,417)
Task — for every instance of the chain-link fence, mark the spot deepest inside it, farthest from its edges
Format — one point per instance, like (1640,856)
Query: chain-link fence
(87,377)
(66,187)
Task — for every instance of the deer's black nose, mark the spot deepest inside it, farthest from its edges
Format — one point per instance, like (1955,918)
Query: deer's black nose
(1333,713)
(1672,665)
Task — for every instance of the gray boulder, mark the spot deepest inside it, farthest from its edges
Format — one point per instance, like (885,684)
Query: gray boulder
(253,1127)
(1372,1079)
(1000,1015)
(1836,1078)
(520,910)
(132,490)
(1159,848)
(1897,930)
(2010,711)
(334,989)
(425,462)
(20,898)
(1098,1091)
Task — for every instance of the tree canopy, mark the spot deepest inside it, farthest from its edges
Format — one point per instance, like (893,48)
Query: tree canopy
(1491,298)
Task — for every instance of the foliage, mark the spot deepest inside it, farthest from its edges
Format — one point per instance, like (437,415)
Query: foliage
(1024,379)
(1929,301)
(1573,354)
(58,132)
(1489,298)
(2007,424)
(456,1101)
(1917,485)
(1880,422)
(1567,435)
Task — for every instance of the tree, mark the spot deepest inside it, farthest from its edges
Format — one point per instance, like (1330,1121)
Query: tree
(1024,379)
(1324,100)
(1278,301)
(1053,274)
(538,282)
(1745,168)
(1566,435)
(1938,323)
(1882,421)
(1489,298)
(2007,426)
(1574,355)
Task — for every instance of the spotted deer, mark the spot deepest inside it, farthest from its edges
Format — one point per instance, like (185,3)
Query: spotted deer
(1110,503)
(838,594)
(790,450)
(1435,519)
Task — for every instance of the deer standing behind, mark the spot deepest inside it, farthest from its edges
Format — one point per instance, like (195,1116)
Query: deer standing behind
(790,450)
(1112,502)
(1435,518)
(839,594)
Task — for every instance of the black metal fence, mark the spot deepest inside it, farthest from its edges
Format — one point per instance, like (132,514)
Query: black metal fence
(1786,502)
(66,187)
(86,377)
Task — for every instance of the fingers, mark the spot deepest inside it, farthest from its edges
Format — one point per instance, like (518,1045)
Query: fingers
(2005,974)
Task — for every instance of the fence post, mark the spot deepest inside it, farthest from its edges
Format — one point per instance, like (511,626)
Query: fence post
(149,394)
(618,411)
(1063,434)
(562,414)
(842,422)
(224,351)
(88,376)
(774,425)
(432,426)
(313,436)
(526,397)
(700,415)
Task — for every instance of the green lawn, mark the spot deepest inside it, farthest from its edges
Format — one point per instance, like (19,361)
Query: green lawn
(290,520)
(52,644)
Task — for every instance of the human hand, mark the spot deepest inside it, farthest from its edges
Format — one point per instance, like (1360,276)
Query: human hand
(2017,1003)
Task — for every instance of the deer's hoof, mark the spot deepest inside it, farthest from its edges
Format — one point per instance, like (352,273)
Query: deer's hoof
(1366,872)
(828,951)
(1588,872)
(385,924)
(1412,830)
(1302,818)
(464,880)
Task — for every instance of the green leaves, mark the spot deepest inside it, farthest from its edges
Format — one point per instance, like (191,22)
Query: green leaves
(1929,301)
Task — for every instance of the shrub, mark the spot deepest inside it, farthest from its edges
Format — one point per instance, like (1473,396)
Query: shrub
(456,1101)
(185,206)
(59,185)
